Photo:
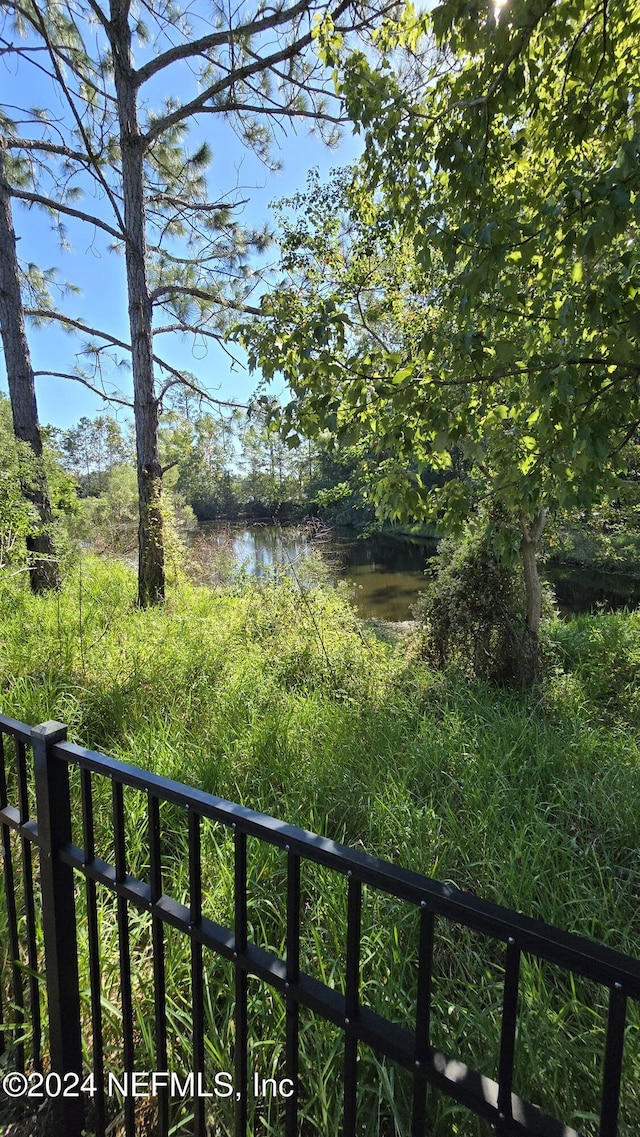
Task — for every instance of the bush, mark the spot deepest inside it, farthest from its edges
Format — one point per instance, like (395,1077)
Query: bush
(18,517)
(602,654)
(474,613)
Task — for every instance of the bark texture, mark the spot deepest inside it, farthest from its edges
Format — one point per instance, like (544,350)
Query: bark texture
(151,574)
(44,571)
(531,534)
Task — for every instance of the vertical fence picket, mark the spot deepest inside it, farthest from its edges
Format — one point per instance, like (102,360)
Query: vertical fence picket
(423,1017)
(241,1025)
(613,1062)
(93,940)
(21,772)
(29,910)
(58,919)
(3,803)
(122,919)
(3,1040)
(17,992)
(197,988)
(352,996)
(508,1031)
(157,939)
(293,975)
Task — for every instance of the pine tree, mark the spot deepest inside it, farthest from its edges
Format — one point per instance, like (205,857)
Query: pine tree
(185,255)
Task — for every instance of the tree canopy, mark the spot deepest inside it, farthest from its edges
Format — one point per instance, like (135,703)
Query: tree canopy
(506,182)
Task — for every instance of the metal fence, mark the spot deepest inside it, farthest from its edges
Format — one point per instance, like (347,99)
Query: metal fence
(39,809)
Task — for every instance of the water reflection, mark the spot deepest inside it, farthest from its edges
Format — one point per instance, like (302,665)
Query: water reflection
(264,548)
(581,589)
(387,573)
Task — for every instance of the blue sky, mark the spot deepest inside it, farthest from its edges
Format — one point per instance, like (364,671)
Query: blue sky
(99,273)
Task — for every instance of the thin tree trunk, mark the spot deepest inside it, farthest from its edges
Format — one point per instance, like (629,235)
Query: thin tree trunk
(151,575)
(44,572)
(531,534)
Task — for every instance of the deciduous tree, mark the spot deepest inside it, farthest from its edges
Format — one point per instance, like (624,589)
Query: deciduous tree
(514,174)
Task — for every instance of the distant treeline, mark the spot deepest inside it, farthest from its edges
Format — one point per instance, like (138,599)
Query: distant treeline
(228,468)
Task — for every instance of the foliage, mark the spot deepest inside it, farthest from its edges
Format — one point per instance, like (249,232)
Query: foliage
(528,802)
(474,612)
(520,198)
(610,545)
(109,522)
(232,466)
(488,302)
(603,656)
(608,536)
(221,466)
(202,449)
(91,449)
(346,304)
(18,516)
(271,473)
(340,486)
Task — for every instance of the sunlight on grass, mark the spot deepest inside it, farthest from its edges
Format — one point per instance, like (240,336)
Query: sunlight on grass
(297,710)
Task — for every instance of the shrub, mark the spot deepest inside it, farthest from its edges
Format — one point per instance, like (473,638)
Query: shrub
(603,656)
(474,613)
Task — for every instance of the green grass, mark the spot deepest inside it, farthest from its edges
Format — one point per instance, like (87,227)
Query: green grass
(287,704)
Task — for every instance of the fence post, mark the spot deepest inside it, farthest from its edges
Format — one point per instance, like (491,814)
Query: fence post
(58,921)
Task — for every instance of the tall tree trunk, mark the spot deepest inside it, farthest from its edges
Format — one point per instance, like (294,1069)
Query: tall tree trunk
(531,534)
(151,576)
(44,572)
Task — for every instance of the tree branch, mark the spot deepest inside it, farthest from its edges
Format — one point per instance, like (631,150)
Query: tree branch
(627,438)
(86,383)
(279,112)
(217,39)
(202,294)
(43,313)
(235,76)
(46,314)
(187,329)
(196,206)
(58,207)
(180,379)
(14,143)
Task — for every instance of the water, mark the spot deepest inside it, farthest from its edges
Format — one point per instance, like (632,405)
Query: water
(387,574)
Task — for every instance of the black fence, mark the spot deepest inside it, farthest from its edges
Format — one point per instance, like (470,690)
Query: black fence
(42,1018)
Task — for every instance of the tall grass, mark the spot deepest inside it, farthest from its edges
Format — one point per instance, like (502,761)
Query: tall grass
(289,705)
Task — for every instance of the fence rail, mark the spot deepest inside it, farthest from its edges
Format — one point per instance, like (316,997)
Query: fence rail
(46,827)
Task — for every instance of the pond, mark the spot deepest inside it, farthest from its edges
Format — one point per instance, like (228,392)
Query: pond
(387,573)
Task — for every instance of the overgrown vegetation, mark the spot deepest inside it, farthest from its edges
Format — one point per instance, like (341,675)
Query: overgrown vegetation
(19,518)
(474,614)
(283,701)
